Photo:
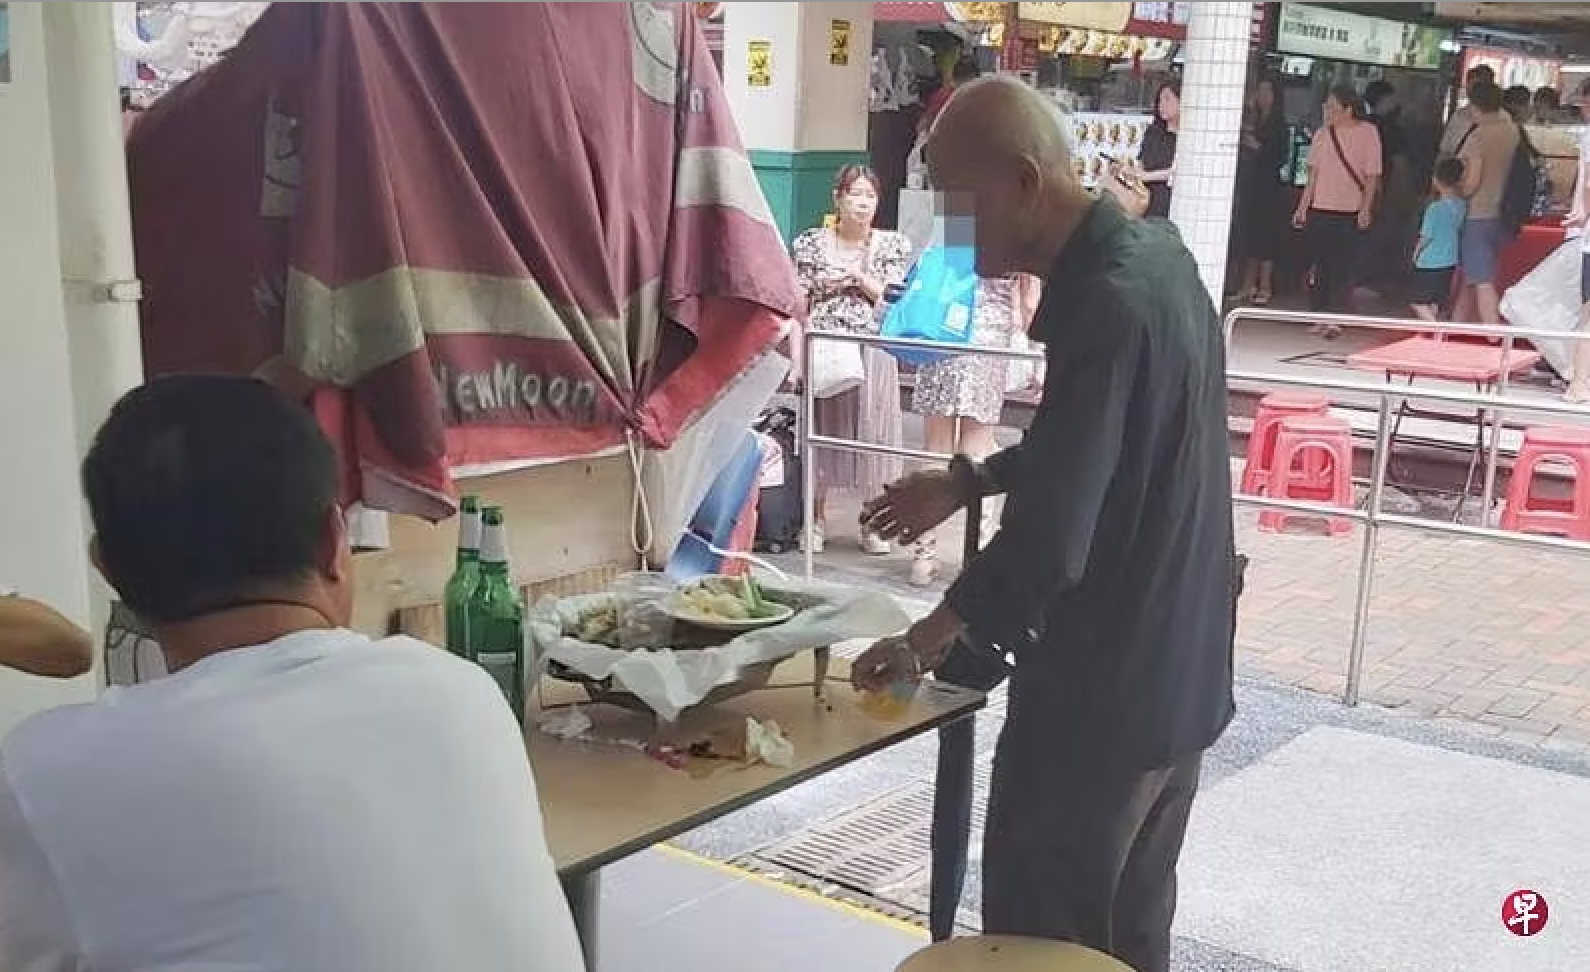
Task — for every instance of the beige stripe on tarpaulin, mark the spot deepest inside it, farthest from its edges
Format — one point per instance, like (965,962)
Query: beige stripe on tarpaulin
(715,175)
(336,336)
(654,51)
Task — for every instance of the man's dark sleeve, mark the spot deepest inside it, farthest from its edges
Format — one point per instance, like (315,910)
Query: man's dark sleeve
(1057,481)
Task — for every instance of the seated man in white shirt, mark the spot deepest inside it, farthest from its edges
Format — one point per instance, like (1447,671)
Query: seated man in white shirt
(294,797)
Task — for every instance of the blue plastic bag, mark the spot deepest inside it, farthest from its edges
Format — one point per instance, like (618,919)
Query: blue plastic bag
(939,303)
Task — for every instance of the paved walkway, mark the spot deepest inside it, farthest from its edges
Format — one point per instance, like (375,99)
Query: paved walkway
(1495,635)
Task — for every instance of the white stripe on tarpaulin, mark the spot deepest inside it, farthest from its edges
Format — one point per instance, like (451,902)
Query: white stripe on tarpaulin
(716,175)
(339,335)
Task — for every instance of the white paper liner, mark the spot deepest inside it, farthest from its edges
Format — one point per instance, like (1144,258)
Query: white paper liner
(672,681)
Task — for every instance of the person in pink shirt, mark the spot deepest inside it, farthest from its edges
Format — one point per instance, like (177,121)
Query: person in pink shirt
(1338,204)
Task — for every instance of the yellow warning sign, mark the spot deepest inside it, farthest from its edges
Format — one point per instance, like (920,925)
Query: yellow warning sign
(759,63)
(839,42)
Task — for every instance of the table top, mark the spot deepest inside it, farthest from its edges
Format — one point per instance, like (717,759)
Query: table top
(602,802)
(1425,357)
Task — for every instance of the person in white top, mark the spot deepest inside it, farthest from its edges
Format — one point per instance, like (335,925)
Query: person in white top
(294,797)
(1578,216)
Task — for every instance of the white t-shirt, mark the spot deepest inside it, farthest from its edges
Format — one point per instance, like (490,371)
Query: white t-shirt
(323,803)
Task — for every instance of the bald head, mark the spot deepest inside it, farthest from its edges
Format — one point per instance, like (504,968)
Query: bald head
(1002,122)
(1001,152)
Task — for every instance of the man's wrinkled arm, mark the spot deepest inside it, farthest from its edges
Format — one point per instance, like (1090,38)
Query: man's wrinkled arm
(1059,479)
(35,930)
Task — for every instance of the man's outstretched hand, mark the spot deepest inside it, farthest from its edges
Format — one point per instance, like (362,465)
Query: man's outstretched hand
(912,506)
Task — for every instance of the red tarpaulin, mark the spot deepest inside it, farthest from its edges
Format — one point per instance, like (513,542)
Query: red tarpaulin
(486,232)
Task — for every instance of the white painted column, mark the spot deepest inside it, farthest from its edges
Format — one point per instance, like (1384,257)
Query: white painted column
(99,290)
(44,553)
(801,115)
(1213,88)
(809,104)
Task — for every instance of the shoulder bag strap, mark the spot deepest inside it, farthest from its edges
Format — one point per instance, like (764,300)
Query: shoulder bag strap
(1341,153)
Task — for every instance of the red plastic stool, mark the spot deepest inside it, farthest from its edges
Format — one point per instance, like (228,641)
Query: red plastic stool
(1527,513)
(1273,409)
(1313,462)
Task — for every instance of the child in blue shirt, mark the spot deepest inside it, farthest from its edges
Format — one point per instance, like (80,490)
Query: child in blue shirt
(1435,259)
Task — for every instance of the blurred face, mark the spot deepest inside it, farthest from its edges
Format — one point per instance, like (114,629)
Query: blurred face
(1335,112)
(991,203)
(858,202)
(1169,105)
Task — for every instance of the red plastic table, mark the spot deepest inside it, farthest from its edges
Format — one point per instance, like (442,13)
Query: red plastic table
(1425,357)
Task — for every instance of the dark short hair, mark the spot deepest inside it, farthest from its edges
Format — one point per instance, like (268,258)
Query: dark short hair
(1449,171)
(854,173)
(1548,97)
(1517,98)
(1478,73)
(1377,89)
(1486,96)
(204,488)
(1348,97)
(965,69)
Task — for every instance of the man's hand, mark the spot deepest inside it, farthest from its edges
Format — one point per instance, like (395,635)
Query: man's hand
(888,661)
(1365,217)
(921,649)
(912,506)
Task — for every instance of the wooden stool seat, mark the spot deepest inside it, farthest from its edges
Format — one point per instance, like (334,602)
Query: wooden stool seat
(998,953)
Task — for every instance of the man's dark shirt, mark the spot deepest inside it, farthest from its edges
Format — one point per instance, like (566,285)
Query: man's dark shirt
(1111,575)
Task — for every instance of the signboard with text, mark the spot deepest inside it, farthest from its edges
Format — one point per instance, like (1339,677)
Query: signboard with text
(1513,68)
(1168,20)
(1094,16)
(1337,35)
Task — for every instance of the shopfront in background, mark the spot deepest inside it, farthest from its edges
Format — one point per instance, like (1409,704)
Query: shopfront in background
(1318,48)
(1101,62)
(1312,49)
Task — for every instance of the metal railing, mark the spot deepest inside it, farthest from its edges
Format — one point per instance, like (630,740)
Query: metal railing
(810,440)
(1497,405)
(1388,396)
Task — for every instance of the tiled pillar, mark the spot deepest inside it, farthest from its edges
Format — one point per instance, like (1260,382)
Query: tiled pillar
(1213,88)
(802,116)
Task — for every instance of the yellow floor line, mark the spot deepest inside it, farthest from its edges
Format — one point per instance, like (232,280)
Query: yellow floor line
(843,907)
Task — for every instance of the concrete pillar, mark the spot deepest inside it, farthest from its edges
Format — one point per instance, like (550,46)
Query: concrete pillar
(1213,89)
(802,116)
(44,553)
(99,289)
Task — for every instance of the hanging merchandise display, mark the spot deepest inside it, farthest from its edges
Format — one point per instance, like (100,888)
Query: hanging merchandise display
(163,44)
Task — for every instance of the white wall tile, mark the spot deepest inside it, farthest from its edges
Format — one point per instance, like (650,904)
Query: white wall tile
(1213,88)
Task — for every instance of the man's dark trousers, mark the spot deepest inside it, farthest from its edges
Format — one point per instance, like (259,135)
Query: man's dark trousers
(1080,851)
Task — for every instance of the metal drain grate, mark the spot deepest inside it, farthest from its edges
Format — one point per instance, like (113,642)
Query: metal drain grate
(878,849)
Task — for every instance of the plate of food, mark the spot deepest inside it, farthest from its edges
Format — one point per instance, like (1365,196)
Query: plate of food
(726,604)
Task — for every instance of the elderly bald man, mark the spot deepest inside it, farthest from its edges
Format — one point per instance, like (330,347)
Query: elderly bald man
(1112,580)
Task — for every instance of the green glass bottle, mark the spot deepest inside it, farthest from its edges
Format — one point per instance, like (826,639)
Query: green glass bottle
(496,614)
(466,574)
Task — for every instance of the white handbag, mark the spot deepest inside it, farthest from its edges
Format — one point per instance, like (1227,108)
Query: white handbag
(835,367)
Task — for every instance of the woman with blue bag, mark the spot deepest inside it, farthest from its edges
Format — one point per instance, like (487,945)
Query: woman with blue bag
(845,269)
(961,397)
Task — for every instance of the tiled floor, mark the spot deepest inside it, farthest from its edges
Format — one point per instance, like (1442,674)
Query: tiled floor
(669,911)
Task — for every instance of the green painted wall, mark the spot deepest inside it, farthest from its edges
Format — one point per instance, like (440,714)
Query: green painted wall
(800,185)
